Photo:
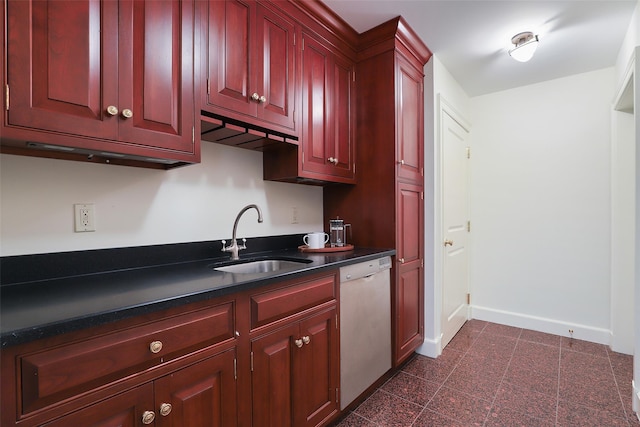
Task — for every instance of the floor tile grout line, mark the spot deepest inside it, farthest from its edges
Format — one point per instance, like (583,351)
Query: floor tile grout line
(493,401)
(615,380)
(447,377)
(559,383)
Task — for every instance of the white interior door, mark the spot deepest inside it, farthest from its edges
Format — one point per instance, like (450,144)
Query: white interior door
(455,217)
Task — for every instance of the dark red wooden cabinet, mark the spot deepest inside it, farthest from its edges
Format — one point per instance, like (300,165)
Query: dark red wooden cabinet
(201,395)
(295,372)
(97,76)
(328,113)
(408,294)
(249,60)
(266,356)
(386,207)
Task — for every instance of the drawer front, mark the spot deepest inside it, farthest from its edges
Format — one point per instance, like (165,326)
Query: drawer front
(270,306)
(52,375)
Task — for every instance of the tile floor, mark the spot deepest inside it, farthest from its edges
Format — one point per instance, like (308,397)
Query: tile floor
(495,375)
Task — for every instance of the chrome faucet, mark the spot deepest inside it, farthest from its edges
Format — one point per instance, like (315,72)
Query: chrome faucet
(233,247)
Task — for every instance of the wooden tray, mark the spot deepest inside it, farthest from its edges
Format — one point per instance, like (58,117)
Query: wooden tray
(305,248)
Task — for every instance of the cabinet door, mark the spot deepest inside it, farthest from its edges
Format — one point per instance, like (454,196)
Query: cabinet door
(229,60)
(156,73)
(272,377)
(274,68)
(123,410)
(201,395)
(62,66)
(410,119)
(317,62)
(316,370)
(408,293)
(342,143)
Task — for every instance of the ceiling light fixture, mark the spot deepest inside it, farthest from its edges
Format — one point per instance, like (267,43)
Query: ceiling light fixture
(526,44)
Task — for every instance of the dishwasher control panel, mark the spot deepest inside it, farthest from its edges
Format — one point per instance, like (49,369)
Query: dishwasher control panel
(364,269)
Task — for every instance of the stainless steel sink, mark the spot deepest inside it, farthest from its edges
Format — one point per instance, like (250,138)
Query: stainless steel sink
(263,266)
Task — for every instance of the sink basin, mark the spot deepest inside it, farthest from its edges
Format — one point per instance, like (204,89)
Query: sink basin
(263,266)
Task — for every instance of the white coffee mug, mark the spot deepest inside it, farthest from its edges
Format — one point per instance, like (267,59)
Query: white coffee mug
(315,240)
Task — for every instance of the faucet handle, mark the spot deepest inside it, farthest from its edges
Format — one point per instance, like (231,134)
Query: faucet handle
(224,245)
(244,244)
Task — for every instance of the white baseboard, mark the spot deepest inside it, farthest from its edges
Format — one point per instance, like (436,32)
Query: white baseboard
(636,398)
(430,348)
(541,324)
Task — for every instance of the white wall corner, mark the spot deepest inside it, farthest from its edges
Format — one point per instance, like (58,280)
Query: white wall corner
(636,398)
(431,347)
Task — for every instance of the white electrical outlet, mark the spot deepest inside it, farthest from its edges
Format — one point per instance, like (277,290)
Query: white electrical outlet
(84,217)
(294,215)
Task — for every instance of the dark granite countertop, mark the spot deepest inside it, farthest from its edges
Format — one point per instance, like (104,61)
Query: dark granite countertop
(33,306)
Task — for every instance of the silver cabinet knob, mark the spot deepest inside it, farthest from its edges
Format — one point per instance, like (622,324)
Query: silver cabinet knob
(165,409)
(298,343)
(127,114)
(255,96)
(155,347)
(112,110)
(148,417)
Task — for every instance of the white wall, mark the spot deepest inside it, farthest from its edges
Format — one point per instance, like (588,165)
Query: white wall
(439,84)
(540,205)
(628,51)
(136,207)
(623,200)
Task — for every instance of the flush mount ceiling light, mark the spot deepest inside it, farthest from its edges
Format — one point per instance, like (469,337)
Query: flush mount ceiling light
(526,44)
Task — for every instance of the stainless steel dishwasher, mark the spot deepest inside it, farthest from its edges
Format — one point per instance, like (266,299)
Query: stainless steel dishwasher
(365,326)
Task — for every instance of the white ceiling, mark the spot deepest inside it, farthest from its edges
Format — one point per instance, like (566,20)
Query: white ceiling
(471,37)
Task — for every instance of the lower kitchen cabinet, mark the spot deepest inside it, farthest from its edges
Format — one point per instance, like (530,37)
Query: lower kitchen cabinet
(125,410)
(268,356)
(201,395)
(295,373)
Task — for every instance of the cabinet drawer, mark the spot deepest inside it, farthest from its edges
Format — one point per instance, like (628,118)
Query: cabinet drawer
(52,375)
(270,306)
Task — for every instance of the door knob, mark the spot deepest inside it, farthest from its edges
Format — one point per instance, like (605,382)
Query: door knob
(448,242)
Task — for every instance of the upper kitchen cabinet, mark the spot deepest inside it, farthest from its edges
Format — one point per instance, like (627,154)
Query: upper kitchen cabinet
(107,81)
(328,113)
(248,61)
(325,152)
(410,120)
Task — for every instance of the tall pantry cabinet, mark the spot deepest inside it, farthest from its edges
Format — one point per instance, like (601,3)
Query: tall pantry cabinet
(388,201)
